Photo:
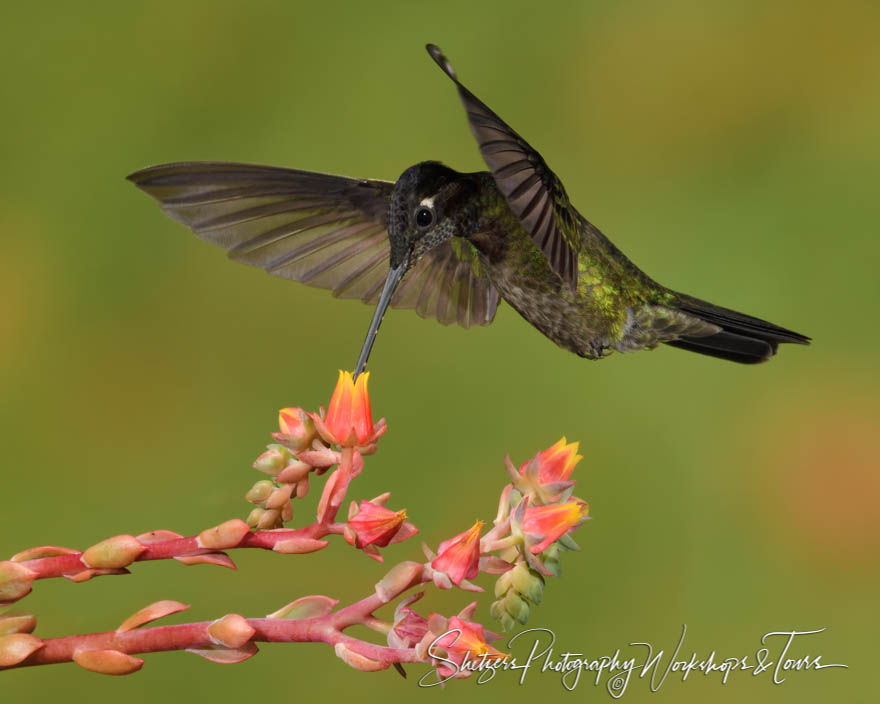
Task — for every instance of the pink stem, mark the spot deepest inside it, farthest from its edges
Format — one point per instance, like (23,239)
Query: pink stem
(46,567)
(195,635)
(324,629)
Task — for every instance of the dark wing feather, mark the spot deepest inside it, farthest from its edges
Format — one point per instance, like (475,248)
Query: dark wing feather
(448,283)
(532,190)
(319,229)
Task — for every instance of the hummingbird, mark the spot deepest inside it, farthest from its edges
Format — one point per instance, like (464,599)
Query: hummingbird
(451,245)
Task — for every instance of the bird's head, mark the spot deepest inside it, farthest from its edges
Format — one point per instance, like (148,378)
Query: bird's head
(430,204)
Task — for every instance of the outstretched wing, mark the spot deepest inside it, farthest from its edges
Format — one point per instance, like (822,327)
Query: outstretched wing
(319,229)
(532,190)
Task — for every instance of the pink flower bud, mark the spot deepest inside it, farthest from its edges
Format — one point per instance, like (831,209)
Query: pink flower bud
(296,429)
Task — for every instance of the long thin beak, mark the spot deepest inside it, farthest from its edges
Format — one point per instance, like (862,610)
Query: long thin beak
(391,281)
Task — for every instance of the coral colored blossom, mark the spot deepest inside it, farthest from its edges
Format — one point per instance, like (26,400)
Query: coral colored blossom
(557,462)
(376,525)
(549,523)
(349,420)
(466,638)
(459,557)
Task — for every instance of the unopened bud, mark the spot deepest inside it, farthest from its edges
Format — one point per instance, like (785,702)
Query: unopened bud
(232,630)
(113,553)
(297,429)
(272,460)
(227,535)
(270,519)
(517,607)
(279,497)
(528,583)
(294,472)
(107,662)
(16,647)
(260,491)
(287,512)
(15,581)
(253,519)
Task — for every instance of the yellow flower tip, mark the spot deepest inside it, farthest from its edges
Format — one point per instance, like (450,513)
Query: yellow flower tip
(402,514)
(360,396)
(577,509)
(476,529)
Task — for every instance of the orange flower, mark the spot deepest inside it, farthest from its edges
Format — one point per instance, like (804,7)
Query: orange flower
(349,420)
(557,462)
(459,557)
(545,524)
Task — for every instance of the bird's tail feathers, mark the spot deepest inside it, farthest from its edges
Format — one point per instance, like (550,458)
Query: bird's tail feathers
(742,338)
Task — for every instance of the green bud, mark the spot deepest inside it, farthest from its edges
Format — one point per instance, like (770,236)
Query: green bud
(255,516)
(260,491)
(503,583)
(528,583)
(507,623)
(517,607)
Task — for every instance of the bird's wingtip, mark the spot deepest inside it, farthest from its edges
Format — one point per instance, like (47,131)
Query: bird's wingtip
(441,60)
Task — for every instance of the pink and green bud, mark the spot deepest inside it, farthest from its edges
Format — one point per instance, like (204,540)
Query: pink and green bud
(113,553)
(273,460)
(260,491)
(15,581)
(16,647)
(227,535)
(296,429)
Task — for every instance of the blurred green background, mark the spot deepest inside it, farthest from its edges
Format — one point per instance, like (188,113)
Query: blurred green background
(730,149)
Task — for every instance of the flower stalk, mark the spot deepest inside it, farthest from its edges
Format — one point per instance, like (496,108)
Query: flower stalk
(536,514)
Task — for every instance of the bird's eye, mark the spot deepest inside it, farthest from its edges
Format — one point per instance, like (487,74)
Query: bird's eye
(424,217)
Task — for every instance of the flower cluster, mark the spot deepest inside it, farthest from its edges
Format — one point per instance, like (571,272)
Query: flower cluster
(315,442)
(536,515)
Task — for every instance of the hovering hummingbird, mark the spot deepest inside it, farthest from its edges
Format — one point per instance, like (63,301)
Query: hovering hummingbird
(450,245)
